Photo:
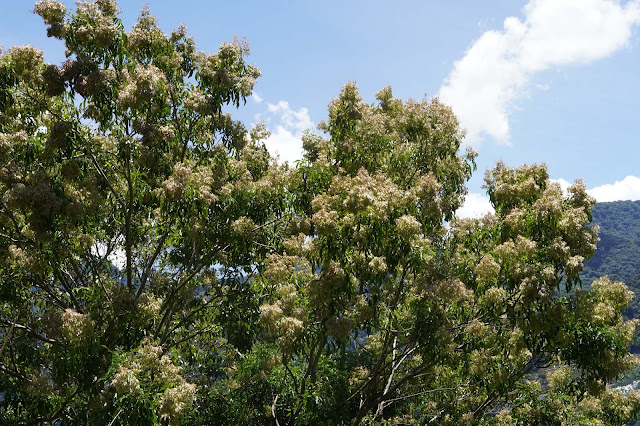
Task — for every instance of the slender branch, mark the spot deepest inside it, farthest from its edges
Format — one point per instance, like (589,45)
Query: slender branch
(293,376)
(129,211)
(273,410)
(106,179)
(169,301)
(67,288)
(149,267)
(187,318)
(394,369)
(13,373)
(189,337)
(413,395)
(381,363)
(30,332)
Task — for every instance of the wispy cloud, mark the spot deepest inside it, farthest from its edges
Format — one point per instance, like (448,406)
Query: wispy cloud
(287,126)
(497,69)
(256,98)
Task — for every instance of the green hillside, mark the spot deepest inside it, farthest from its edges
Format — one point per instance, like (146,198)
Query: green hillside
(618,251)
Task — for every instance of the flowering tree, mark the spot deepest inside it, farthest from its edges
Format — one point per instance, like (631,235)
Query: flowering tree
(159,267)
(380,305)
(128,199)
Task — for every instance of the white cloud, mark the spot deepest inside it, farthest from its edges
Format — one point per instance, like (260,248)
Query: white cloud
(497,68)
(626,189)
(286,140)
(256,98)
(475,205)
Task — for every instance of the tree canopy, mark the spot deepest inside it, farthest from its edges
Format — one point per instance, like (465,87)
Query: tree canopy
(160,267)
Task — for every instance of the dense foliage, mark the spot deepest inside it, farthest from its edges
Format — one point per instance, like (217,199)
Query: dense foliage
(618,248)
(158,267)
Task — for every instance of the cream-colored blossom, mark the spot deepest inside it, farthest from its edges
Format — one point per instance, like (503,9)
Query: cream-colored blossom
(363,311)
(525,247)
(378,265)
(125,381)
(288,295)
(106,33)
(408,227)
(516,219)
(174,186)
(144,85)
(296,244)
(243,227)
(487,270)
(198,102)
(603,312)
(325,221)
(107,7)
(614,293)
(574,265)
(76,325)
(452,290)
(149,305)
(494,296)
(27,62)
(279,267)
(358,376)
(175,400)
(550,203)
(339,328)
(270,314)
(290,327)
(506,252)
(51,11)
(580,197)
(476,328)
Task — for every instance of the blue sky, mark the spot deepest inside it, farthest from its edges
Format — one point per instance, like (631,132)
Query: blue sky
(552,81)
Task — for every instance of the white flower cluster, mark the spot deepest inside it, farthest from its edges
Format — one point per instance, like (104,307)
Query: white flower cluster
(408,227)
(198,102)
(320,290)
(279,268)
(226,69)
(53,14)
(283,319)
(98,23)
(27,62)
(487,270)
(76,325)
(512,187)
(148,365)
(175,400)
(149,305)
(144,85)
(51,11)
(174,186)
(145,33)
(339,328)
(452,290)
(243,227)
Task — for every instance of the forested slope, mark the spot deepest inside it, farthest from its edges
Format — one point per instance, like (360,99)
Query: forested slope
(618,252)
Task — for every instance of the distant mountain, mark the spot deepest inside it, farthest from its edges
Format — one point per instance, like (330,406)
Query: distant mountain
(618,252)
